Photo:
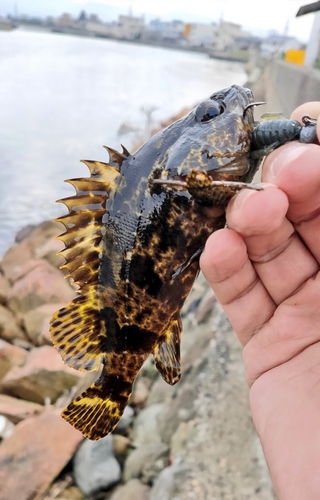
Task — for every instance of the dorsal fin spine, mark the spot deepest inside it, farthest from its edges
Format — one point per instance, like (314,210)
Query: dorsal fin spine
(77,331)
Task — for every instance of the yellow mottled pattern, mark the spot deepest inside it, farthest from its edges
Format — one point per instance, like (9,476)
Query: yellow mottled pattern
(97,410)
(76,329)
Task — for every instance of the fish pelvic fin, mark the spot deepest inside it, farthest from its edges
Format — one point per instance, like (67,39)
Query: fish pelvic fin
(167,353)
(97,411)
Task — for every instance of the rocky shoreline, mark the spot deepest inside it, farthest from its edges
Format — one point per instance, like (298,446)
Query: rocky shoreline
(191,441)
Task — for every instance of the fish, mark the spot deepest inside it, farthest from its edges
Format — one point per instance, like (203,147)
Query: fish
(134,233)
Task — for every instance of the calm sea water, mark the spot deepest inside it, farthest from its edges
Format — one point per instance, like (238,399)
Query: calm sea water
(63,97)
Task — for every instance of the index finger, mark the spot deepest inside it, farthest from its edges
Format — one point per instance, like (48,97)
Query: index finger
(295,169)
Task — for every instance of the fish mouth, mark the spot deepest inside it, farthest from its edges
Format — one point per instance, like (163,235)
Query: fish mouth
(237,167)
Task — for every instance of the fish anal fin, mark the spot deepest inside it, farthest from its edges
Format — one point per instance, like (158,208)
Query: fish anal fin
(77,332)
(167,353)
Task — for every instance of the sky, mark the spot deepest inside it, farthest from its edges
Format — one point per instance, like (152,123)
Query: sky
(255,16)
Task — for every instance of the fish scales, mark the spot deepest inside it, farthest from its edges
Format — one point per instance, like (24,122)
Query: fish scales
(133,245)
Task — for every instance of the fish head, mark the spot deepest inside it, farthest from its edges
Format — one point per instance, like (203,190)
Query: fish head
(214,137)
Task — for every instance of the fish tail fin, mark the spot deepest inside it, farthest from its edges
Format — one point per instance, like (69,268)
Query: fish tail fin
(97,411)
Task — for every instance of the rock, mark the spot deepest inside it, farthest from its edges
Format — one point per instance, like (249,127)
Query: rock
(38,283)
(16,410)
(4,289)
(181,408)
(126,419)
(144,458)
(121,447)
(164,486)
(9,328)
(6,427)
(179,440)
(44,376)
(10,356)
(35,454)
(222,457)
(146,426)
(206,306)
(43,233)
(133,490)
(49,252)
(15,258)
(140,392)
(159,392)
(72,493)
(24,232)
(95,466)
(36,323)
(148,369)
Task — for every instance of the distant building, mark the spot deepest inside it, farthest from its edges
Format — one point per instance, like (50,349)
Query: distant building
(226,35)
(65,21)
(313,49)
(200,34)
(130,27)
(278,43)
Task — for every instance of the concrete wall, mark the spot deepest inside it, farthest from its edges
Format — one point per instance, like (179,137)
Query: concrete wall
(285,86)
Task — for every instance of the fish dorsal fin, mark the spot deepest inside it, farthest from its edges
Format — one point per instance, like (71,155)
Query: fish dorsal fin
(167,353)
(125,151)
(76,330)
(116,158)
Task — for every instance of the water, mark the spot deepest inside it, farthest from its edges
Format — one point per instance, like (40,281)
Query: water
(63,97)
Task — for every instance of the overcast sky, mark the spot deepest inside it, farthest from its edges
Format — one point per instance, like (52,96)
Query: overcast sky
(255,15)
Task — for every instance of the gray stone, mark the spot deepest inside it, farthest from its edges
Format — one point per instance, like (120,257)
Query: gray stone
(179,409)
(159,392)
(165,485)
(183,434)
(140,392)
(126,419)
(133,490)
(146,426)
(146,455)
(95,466)
(210,428)
(121,447)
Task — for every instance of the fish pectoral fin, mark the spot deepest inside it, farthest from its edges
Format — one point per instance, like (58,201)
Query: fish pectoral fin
(77,333)
(184,266)
(167,353)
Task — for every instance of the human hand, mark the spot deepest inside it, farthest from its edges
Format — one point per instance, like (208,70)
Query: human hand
(264,271)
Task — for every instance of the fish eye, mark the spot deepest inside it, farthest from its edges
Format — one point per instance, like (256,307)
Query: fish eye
(208,110)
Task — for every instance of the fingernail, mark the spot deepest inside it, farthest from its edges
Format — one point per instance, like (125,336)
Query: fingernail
(241,198)
(291,153)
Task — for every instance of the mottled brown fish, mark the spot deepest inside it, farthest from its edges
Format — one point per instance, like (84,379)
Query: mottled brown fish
(133,240)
